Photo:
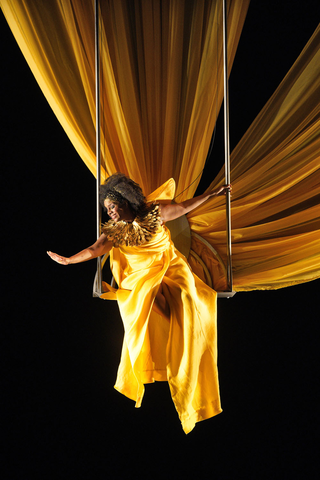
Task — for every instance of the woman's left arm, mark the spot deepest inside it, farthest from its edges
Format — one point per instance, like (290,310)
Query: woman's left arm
(176,210)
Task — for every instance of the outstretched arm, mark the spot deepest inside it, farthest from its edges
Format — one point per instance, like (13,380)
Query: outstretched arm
(100,247)
(176,210)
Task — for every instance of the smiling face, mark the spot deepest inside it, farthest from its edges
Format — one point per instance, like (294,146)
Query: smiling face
(117,212)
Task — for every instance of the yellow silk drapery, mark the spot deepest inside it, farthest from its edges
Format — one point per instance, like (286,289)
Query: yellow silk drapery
(276,183)
(162,89)
(162,83)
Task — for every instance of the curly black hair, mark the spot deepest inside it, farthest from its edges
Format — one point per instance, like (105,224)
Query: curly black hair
(122,189)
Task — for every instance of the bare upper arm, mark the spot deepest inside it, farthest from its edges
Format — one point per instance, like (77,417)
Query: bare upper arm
(171,211)
(103,245)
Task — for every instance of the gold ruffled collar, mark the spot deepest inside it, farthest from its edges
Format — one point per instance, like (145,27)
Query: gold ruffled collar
(135,233)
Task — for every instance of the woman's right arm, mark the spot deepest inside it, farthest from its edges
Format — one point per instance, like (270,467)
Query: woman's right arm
(100,247)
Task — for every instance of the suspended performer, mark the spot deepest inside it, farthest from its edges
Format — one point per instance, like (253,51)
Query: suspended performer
(169,314)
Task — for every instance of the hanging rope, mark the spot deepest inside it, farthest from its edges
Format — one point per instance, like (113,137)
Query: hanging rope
(98,139)
(227,147)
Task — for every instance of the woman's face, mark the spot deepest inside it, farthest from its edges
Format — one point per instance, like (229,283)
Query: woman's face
(116,212)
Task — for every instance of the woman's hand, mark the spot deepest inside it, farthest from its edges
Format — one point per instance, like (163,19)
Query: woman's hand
(59,259)
(100,247)
(222,190)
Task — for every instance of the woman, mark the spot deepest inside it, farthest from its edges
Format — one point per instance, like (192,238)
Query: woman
(169,314)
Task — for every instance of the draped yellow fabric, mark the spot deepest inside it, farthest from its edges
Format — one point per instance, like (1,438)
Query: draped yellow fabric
(276,184)
(161,79)
(182,352)
(162,89)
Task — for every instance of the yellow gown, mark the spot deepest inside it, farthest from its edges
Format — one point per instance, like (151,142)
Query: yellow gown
(182,351)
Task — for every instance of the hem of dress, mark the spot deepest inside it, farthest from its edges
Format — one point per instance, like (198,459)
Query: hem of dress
(203,413)
(149,376)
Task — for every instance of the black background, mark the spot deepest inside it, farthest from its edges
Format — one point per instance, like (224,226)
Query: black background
(62,418)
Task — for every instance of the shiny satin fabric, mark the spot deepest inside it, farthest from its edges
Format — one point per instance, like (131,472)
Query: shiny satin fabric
(161,92)
(182,351)
(275,172)
(161,79)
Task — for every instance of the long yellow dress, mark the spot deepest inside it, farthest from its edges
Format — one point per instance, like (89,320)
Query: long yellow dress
(182,351)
